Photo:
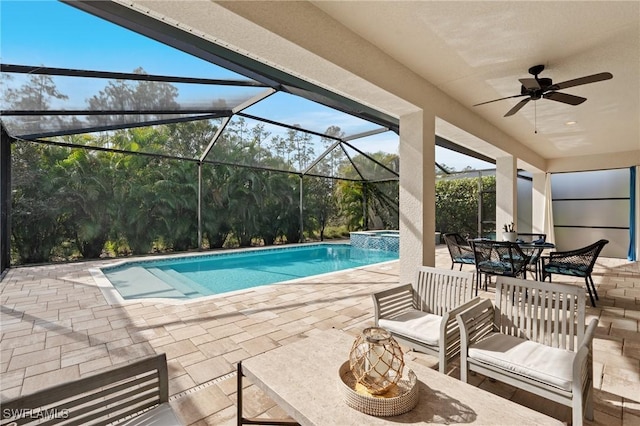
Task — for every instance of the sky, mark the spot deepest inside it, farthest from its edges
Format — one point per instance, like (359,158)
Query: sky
(53,34)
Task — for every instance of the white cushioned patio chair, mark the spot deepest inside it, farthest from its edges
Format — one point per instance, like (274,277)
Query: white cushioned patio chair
(534,338)
(422,315)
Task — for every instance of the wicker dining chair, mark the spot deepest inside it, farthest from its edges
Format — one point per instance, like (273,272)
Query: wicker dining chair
(459,249)
(499,258)
(575,263)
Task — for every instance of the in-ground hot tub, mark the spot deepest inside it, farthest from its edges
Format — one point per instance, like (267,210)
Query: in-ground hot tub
(388,240)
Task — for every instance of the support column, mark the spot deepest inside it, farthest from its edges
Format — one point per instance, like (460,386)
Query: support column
(301,210)
(199,205)
(5,200)
(548,210)
(506,193)
(538,203)
(636,218)
(417,193)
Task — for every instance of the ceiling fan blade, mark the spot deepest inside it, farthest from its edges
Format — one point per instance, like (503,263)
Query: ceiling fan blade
(582,80)
(564,98)
(501,99)
(530,83)
(517,107)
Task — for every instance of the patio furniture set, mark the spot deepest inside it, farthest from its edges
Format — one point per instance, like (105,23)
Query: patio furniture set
(515,259)
(533,336)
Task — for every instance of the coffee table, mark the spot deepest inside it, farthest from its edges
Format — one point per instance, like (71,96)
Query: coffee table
(302,378)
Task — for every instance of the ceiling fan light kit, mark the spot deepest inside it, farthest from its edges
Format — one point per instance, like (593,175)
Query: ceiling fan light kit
(537,88)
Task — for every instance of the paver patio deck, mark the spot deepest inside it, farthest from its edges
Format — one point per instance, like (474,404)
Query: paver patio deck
(57,326)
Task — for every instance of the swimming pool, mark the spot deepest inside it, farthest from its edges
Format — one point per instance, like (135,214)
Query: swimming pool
(188,277)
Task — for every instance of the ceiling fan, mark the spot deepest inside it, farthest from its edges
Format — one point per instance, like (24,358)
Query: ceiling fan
(536,88)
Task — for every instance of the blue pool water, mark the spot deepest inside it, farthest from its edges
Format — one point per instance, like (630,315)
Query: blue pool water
(196,276)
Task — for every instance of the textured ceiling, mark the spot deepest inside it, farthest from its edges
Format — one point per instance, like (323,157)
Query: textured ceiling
(477,51)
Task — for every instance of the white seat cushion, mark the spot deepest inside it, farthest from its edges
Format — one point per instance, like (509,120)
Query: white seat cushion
(536,361)
(418,325)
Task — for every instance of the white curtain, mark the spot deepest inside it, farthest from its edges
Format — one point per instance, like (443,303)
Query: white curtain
(548,210)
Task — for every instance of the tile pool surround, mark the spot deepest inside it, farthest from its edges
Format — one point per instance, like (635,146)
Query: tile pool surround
(191,277)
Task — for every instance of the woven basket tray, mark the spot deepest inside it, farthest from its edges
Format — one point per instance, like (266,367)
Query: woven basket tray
(405,396)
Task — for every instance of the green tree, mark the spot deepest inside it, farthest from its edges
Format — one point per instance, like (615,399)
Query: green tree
(37,215)
(133,95)
(381,198)
(135,198)
(275,210)
(216,225)
(383,201)
(37,93)
(320,204)
(85,180)
(244,197)
(190,139)
(176,192)
(457,204)
(300,148)
(350,203)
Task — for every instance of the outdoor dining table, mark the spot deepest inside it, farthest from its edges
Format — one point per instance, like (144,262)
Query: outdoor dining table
(530,248)
(535,250)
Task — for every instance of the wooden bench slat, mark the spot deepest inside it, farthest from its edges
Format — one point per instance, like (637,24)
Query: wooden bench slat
(99,399)
(110,413)
(145,393)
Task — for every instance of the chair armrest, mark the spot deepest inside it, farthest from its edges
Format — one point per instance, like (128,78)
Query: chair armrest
(449,326)
(467,249)
(451,315)
(556,255)
(475,323)
(582,369)
(589,334)
(544,261)
(394,301)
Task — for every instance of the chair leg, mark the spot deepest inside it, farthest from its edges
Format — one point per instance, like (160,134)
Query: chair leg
(593,286)
(461,266)
(588,409)
(593,301)
(577,410)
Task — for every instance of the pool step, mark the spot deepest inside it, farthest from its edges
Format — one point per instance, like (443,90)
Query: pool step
(181,283)
(136,282)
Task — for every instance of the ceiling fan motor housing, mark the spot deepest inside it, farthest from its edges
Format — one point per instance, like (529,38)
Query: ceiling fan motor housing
(536,94)
(545,83)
